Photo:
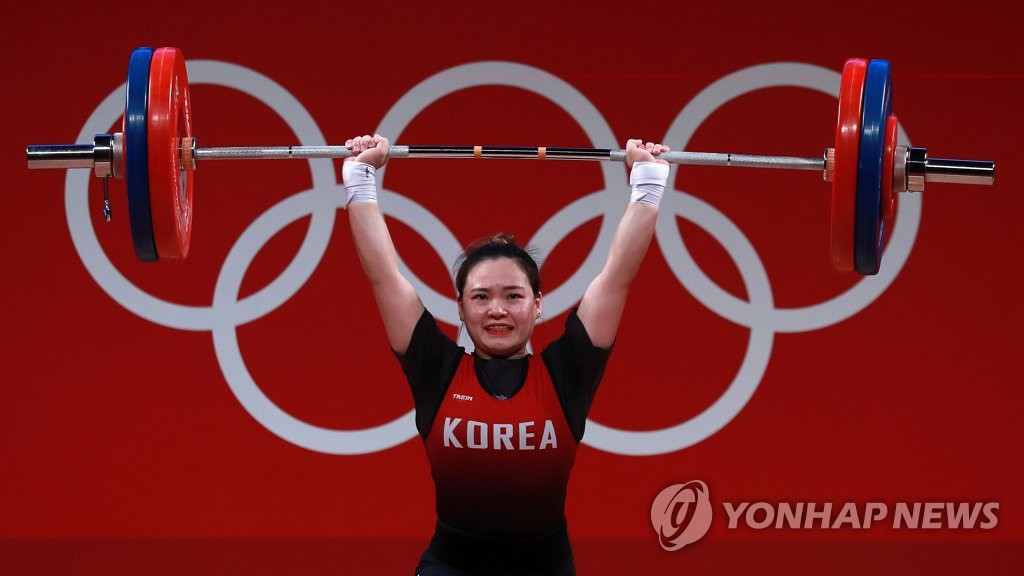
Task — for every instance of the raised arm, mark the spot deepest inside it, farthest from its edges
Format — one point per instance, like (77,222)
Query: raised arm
(399,305)
(601,308)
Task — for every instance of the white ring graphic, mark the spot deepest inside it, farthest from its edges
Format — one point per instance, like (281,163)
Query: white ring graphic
(495,73)
(181,316)
(227,312)
(759,314)
(759,348)
(272,417)
(728,306)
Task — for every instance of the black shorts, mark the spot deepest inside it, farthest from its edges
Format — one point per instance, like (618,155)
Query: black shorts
(454,552)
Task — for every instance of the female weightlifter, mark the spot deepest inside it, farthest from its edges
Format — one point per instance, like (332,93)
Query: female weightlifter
(500,426)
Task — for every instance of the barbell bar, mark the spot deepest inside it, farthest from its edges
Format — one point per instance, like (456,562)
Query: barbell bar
(156,154)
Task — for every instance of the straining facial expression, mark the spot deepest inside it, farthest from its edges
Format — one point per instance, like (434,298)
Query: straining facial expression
(499,308)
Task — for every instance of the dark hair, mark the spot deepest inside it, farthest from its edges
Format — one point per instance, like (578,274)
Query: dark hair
(502,245)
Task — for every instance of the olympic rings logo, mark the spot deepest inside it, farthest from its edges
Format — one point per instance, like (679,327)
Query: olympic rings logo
(321,202)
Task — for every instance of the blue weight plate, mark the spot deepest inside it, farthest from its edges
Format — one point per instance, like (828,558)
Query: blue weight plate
(867,238)
(136,155)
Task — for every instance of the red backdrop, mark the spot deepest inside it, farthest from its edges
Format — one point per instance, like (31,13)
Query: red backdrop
(190,415)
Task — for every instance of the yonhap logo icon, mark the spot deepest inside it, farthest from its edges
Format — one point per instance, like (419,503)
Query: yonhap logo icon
(681,514)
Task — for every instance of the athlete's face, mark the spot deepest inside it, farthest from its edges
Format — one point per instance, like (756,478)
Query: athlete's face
(499,308)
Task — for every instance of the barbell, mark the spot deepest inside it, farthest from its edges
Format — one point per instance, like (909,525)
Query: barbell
(156,154)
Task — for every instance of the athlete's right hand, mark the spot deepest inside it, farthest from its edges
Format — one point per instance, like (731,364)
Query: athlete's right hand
(372,150)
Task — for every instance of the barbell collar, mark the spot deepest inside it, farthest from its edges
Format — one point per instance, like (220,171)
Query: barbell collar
(917,163)
(108,155)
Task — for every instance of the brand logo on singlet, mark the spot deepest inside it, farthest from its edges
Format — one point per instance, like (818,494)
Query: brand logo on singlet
(462,396)
(485,435)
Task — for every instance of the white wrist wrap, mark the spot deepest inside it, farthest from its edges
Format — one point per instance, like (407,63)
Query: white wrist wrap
(647,180)
(360,182)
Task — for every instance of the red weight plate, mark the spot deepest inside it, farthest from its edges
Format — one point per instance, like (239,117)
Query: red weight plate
(170,181)
(844,180)
(888,164)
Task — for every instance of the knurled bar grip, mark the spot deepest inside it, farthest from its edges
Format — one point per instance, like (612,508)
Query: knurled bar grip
(606,154)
